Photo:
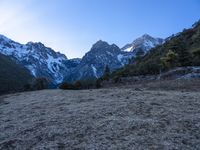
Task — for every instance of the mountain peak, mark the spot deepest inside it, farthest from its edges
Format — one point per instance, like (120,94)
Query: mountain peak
(145,42)
(102,46)
(146,36)
(36,44)
(100,43)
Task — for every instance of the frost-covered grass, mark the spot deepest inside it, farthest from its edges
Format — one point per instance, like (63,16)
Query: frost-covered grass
(115,118)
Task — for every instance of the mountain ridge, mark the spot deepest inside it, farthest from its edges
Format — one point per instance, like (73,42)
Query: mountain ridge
(43,61)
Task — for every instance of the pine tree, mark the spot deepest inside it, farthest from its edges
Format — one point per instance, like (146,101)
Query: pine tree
(196,55)
(98,83)
(170,60)
(139,55)
(184,58)
(106,75)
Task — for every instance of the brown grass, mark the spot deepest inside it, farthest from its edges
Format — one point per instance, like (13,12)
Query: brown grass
(128,117)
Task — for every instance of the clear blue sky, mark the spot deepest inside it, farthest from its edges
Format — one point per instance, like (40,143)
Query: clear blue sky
(72,26)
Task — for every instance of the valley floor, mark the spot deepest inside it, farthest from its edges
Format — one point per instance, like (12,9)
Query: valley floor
(116,118)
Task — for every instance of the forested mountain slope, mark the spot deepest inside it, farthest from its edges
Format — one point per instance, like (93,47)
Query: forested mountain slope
(12,76)
(182,49)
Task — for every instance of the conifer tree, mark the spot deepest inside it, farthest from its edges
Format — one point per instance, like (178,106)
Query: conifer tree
(184,58)
(170,60)
(106,74)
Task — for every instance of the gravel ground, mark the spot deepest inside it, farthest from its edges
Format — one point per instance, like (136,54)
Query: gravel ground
(104,119)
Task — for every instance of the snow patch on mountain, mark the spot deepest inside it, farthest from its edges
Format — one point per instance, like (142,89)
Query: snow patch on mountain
(129,49)
(145,42)
(32,69)
(119,57)
(109,53)
(94,71)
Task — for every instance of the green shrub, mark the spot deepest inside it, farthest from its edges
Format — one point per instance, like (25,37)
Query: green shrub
(37,84)
(170,60)
(116,79)
(66,86)
(81,84)
(78,85)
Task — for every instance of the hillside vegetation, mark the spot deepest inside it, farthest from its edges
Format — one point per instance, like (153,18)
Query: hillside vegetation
(12,76)
(179,50)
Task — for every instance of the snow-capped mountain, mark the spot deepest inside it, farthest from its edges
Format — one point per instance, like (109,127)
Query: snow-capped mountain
(101,54)
(142,44)
(40,60)
(94,62)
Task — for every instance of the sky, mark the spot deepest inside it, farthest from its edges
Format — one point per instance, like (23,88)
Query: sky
(73,26)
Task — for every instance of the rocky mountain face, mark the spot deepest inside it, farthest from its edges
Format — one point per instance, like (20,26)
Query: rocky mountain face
(42,61)
(101,54)
(94,62)
(142,44)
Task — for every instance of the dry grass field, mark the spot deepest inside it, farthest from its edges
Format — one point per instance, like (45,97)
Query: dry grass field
(122,117)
